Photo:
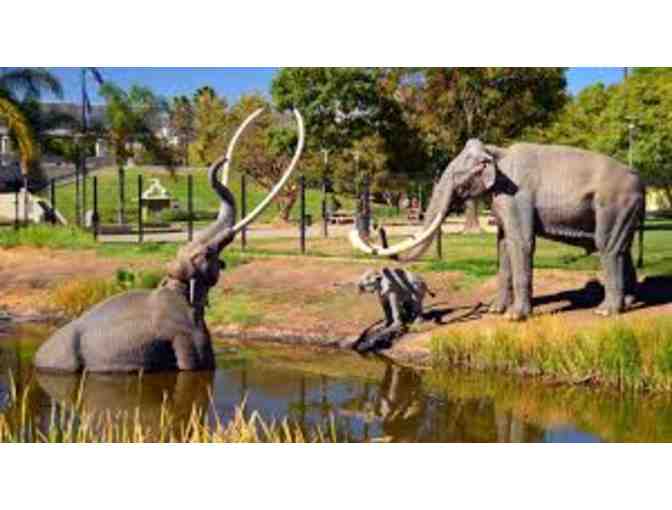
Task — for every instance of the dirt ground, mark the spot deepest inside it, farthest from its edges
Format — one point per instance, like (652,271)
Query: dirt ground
(315,301)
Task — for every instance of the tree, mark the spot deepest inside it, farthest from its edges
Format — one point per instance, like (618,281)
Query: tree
(211,123)
(600,118)
(182,124)
(348,110)
(491,103)
(128,116)
(337,103)
(266,150)
(19,87)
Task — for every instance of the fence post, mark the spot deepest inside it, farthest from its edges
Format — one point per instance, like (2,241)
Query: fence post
(78,212)
(190,207)
(25,201)
(96,218)
(439,236)
(140,232)
(16,209)
(325,215)
(243,210)
(52,199)
(302,223)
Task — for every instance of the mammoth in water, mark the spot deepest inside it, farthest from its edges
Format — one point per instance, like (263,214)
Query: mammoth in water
(561,193)
(162,329)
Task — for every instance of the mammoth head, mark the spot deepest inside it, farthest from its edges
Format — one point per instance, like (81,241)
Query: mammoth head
(473,171)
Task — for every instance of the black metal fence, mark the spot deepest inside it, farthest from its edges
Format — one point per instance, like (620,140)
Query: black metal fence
(144,228)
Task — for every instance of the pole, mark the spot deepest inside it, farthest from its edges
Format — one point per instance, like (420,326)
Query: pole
(85,128)
(78,214)
(140,226)
(302,223)
(190,207)
(325,219)
(16,208)
(25,201)
(243,210)
(96,219)
(439,236)
(52,199)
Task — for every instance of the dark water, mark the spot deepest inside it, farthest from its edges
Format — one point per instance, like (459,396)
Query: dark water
(366,398)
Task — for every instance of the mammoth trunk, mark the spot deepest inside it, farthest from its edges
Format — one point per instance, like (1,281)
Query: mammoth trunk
(438,205)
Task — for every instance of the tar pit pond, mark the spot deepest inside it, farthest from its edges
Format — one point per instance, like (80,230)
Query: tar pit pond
(349,397)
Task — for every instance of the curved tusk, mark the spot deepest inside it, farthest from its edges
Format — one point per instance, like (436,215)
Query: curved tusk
(408,244)
(276,189)
(234,141)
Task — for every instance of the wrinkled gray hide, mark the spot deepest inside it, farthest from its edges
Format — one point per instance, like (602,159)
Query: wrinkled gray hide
(561,193)
(162,329)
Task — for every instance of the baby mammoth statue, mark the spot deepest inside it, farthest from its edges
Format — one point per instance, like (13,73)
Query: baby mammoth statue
(401,294)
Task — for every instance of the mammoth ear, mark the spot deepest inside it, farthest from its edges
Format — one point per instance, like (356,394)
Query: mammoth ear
(491,155)
(489,174)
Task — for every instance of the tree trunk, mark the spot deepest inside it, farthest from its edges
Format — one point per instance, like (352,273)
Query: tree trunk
(471,223)
(122,198)
(286,204)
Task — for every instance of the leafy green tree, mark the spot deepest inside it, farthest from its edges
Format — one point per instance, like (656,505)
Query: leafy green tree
(211,124)
(630,115)
(495,104)
(337,103)
(128,123)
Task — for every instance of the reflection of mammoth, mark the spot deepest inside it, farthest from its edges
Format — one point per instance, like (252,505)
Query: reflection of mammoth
(103,393)
(400,402)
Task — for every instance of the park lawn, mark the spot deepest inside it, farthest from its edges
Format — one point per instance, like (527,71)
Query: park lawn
(205,201)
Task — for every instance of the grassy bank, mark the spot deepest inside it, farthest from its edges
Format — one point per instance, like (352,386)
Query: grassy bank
(635,355)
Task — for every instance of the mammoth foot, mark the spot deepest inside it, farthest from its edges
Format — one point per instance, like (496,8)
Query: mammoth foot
(498,308)
(607,310)
(518,313)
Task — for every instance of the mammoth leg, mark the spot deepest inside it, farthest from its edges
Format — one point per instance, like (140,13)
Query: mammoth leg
(387,309)
(630,283)
(193,352)
(504,277)
(520,245)
(613,238)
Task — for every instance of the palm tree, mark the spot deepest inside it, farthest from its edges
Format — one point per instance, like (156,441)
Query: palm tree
(128,116)
(19,126)
(20,87)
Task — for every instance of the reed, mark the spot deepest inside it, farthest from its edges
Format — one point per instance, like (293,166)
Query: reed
(627,355)
(70,423)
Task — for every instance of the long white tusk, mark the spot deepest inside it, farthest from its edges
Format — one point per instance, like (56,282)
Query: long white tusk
(276,189)
(234,141)
(398,248)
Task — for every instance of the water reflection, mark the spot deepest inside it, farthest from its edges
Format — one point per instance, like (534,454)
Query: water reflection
(372,399)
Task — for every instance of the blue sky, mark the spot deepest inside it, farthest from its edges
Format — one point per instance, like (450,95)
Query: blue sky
(231,82)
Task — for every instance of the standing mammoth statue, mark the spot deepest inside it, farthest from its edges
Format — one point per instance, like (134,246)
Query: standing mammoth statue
(565,194)
(162,329)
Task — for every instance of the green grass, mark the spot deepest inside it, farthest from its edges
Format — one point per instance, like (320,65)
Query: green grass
(46,236)
(236,308)
(633,355)
(205,201)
